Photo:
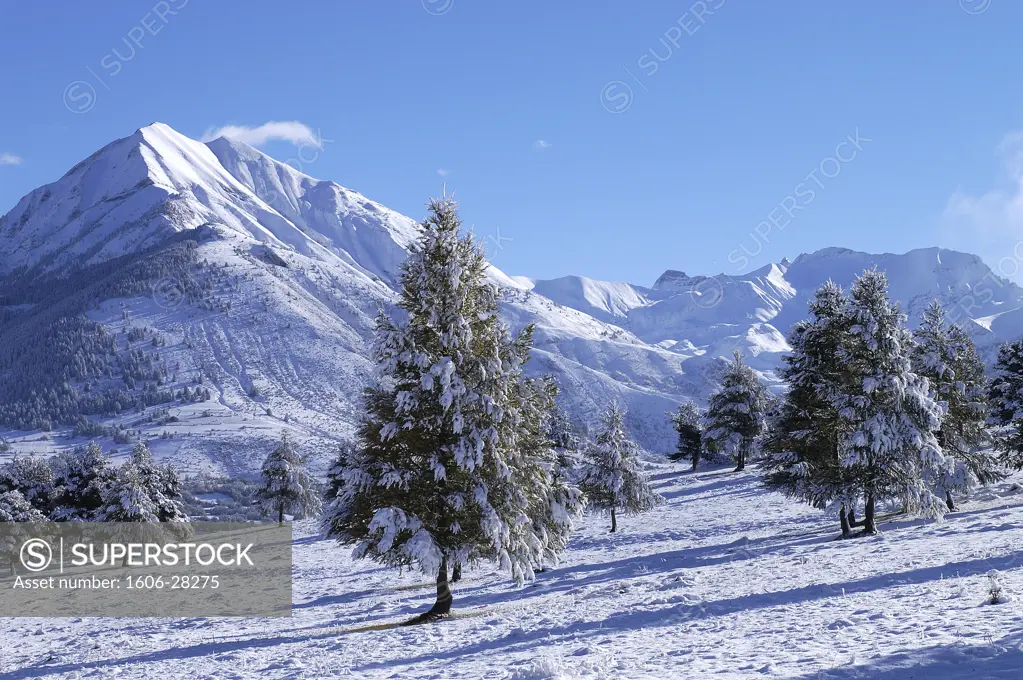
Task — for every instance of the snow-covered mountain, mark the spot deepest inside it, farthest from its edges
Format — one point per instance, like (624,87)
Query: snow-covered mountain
(162,269)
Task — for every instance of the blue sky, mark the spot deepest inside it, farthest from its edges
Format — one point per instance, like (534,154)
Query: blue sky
(606,139)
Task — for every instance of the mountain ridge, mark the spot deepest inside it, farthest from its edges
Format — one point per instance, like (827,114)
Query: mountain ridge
(271,307)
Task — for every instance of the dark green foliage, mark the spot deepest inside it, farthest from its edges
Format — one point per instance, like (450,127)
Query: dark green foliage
(80,478)
(688,423)
(802,443)
(858,422)
(566,438)
(32,478)
(346,455)
(1006,397)
(141,491)
(947,357)
(452,455)
(736,416)
(286,485)
(613,479)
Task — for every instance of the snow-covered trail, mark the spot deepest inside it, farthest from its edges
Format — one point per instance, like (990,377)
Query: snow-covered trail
(724,581)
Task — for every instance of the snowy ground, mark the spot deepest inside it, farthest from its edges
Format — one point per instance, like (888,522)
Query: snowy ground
(725,581)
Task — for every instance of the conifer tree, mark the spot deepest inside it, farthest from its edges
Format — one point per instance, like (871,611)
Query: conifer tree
(947,357)
(286,486)
(688,423)
(127,498)
(33,478)
(160,483)
(565,439)
(543,467)
(1006,399)
(142,493)
(346,454)
(449,468)
(612,479)
(15,509)
(80,478)
(887,419)
(802,443)
(736,416)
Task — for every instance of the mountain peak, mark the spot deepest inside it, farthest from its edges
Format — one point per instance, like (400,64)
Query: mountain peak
(670,280)
(158,127)
(137,191)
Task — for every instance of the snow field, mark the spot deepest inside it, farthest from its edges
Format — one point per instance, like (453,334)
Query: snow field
(725,580)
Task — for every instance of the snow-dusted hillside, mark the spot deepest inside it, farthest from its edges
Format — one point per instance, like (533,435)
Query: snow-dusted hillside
(726,580)
(214,265)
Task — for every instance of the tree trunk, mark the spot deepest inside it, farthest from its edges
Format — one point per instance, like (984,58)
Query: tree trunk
(846,529)
(853,522)
(949,502)
(742,460)
(696,459)
(442,607)
(456,572)
(743,455)
(614,520)
(280,515)
(868,520)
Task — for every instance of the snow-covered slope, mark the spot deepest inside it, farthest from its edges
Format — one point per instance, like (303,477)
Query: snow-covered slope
(726,581)
(364,233)
(271,304)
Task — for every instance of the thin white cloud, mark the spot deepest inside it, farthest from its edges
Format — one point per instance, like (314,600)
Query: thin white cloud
(990,224)
(290,131)
(996,213)
(10,159)
(541,144)
(442,172)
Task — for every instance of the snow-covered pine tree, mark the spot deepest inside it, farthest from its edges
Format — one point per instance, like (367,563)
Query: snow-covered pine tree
(161,484)
(736,416)
(141,491)
(285,484)
(538,460)
(127,498)
(802,442)
(445,469)
(1006,400)
(947,357)
(612,479)
(566,440)
(79,480)
(346,454)
(33,478)
(688,423)
(887,419)
(15,508)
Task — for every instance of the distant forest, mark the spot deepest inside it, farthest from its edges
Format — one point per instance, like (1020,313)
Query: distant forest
(57,367)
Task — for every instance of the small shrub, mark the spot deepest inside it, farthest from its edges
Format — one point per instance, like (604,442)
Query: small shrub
(996,591)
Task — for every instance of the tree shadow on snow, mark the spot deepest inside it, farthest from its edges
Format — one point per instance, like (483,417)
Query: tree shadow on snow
(583,576)
(953,660)
(682,493)
(674,613)
(213,649)
(719,481)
